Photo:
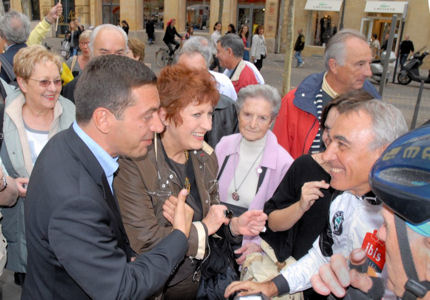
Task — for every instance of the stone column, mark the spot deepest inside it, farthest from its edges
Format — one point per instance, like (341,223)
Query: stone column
(96,17)
(44,7)
(16,5)
(229,12)
(214,14)
(271,23)
(132,12)
(175,9)
(82,11)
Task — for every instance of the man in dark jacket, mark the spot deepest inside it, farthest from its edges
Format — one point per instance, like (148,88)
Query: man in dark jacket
(150,31)
(77,245)
(406,48)
(14,30)
(298,48)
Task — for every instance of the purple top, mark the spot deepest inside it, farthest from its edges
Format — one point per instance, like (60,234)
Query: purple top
(275,158)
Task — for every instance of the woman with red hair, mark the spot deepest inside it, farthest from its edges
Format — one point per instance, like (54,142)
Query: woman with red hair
(169,36)
(179,159)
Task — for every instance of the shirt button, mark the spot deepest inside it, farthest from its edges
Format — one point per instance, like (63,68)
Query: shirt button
(171,176)
(195,151)
(200,166)
(167,181)
(163,186)
(259,170)
(207,201)
(303,94)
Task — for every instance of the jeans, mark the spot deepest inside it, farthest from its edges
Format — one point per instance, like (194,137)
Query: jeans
(298,56)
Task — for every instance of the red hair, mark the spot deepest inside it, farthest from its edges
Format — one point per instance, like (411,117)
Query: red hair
(180,86)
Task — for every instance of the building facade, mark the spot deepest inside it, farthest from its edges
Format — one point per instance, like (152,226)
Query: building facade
(319,19)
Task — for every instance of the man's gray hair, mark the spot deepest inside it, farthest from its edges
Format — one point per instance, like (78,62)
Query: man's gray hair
(102,27)
(265,91)
(234,42)
(200,45)
(336,47)
(14,27)
(388,122)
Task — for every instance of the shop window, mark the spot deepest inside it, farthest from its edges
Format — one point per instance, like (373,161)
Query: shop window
(322,26)
(154,10)
(197,15)
(110,13)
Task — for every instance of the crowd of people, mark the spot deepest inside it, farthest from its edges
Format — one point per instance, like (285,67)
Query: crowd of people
(125,185)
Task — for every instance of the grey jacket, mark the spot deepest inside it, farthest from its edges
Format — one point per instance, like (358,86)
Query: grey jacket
(16,158)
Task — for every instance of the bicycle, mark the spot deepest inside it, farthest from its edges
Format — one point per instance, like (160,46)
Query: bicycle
(162,57)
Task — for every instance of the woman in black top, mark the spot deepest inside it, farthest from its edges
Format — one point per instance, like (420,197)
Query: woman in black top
(169,36)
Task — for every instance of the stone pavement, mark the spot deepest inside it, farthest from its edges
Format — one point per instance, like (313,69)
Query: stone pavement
(403,97)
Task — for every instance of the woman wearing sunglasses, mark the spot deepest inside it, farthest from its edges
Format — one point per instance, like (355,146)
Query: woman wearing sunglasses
(33,114)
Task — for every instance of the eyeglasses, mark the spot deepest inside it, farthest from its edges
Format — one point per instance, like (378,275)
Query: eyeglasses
(45,82)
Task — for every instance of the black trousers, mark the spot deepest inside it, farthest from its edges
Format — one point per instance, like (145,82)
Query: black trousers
(170,46)
(259,63)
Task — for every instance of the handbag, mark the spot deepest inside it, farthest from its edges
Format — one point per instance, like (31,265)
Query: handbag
(262,266)
(218,269)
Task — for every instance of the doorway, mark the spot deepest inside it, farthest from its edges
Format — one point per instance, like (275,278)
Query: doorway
(251,15)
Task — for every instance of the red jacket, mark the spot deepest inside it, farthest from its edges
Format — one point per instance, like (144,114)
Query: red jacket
(297,124)
(291,124)
(243,76)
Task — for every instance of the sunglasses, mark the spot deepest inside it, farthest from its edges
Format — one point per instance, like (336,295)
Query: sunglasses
(45,82)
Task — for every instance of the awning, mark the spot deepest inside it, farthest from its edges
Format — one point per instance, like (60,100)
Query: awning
(391,7)
(327,5)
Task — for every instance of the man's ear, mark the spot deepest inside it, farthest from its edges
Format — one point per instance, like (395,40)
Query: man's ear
(103,119)
(332,65)
(163,116)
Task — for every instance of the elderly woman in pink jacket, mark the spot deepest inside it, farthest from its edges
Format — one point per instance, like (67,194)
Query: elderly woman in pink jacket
(251,163)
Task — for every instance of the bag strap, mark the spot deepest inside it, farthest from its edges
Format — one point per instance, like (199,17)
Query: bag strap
(7,67)
(75,58)
(6,161)
(222,167)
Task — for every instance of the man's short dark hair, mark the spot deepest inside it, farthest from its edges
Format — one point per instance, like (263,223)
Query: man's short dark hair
(107,81)
(234,42)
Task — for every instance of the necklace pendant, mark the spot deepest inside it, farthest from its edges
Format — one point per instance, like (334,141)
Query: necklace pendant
(235,196)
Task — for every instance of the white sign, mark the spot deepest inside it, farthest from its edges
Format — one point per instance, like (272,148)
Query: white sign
(391,7)
(327,5)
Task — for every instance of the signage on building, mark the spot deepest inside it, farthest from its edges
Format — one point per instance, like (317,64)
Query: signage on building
(392,7)
(327,5)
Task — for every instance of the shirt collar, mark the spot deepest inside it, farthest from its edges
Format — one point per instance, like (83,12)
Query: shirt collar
(107,162)
(328,89)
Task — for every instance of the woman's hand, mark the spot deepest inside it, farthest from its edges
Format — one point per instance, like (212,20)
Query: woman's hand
(249,223)
(215,218)
(245,250)
(21,185)
(311,192)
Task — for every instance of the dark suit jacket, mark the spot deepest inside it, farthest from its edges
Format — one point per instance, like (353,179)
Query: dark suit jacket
(9,54)
(77,246)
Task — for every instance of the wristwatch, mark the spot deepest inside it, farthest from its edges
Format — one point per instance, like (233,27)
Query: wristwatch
(4,183)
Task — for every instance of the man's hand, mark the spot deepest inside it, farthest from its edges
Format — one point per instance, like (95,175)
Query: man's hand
(249,223)
(245,288)
(336,276)
(215,218)
(21,185)
(310,193)
(54,13)
(245,250)
(177,212)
